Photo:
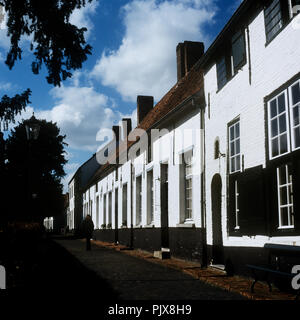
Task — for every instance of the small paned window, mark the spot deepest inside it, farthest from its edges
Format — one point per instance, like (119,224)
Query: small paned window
(295,111)
(188,186)
(234,148)
(278,126)
(285,196)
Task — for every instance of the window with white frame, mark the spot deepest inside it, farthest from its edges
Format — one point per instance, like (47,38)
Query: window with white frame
(284,122)
(109,209)
(278,128)
(188,175)
(150,195)
(295,111)
(234,147)
(104,209)
(285,197)
(97,212)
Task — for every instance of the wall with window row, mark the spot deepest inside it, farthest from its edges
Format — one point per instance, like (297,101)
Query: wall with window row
(243,100)
(183,137)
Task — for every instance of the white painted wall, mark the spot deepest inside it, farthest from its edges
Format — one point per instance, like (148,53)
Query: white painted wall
(70,220)
(184,136)
(272,66)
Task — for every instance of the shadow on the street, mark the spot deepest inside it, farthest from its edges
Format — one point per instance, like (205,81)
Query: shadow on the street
(42,265)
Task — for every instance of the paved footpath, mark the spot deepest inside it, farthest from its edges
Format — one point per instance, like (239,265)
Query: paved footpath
(133,278)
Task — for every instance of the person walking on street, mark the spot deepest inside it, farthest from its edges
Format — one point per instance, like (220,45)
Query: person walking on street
(88,229)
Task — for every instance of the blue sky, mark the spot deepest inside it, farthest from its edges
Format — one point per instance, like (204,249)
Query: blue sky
(134,44)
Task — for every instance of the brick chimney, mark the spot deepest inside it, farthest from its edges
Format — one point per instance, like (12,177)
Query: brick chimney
(144,105)
(126,126)
(187,53)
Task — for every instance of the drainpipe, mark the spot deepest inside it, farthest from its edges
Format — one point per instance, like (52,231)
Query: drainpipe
(203,193)
(203,189)
(249,56)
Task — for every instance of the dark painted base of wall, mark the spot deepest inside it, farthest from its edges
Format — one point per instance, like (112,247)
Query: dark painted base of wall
(238,257)
(184,243)
(189,244)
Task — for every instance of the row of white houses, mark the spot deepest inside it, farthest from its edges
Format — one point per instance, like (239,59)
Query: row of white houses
(215,173)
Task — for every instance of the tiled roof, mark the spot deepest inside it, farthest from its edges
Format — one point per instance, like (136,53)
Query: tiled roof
(184,89)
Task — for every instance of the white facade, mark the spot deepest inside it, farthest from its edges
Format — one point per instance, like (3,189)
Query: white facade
(131,194)
(184,136)
(71,209)
(272,65)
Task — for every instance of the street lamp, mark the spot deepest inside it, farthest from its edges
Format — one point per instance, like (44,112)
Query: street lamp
(32,127)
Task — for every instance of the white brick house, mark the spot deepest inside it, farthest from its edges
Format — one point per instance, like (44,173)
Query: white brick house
(233,116)
(261,62)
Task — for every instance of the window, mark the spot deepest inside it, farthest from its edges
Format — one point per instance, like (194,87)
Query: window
(234,148)
(278,125)
(285,197)
(233,59)
(97,212)
(149,153)
(124,206)
(217,149)
(150,195)
(273,19)
(284,122)
(188,186)
(295,7)
(222,73)
(295,111)
(138,200)
(277,14)
(104,209)
(110,209)
(238,51)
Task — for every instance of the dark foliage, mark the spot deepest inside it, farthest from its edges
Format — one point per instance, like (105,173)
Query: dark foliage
(10,107)
(57,43)
(35,167)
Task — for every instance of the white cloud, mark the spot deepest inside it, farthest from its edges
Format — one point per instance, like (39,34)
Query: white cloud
(65,181)
(80,112)
(4,39)
(145,62)
(72,166)
(81,17)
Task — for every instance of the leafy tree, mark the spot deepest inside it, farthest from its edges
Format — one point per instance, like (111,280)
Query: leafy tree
(57,44)
(35,169)
(10,107)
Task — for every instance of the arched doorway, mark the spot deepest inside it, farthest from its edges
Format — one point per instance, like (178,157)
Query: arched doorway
(216,208)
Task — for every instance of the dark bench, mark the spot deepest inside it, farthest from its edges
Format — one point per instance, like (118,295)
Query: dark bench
(272,271)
